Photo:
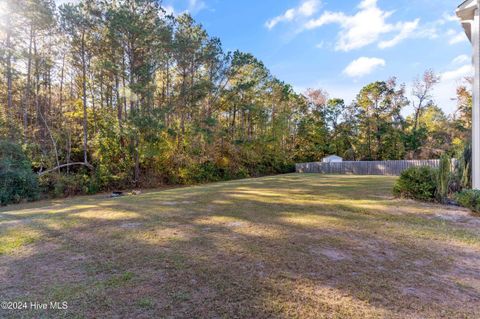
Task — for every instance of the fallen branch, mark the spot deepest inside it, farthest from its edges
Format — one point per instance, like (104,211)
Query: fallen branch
(65,165)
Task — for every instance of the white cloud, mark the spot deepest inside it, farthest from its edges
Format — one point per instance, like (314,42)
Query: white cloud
(60,2)
(195,6)
(447,17)
(306,9)
(366,27)
(445,91)
(169,10)
(459,73)
(363,66)
(192,7)
(456,37)
(407,29)
(461,59)
(309,8)
(365,4)
(428,31)
(320,45)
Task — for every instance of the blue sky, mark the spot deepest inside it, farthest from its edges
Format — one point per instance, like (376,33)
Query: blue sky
(342,45)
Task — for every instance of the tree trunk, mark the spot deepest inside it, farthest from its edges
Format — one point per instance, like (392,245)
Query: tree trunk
(84,93)
(124,85)
(61,84)
(94,111)
(26,102)
(234,119)
(8,45)
(119,103)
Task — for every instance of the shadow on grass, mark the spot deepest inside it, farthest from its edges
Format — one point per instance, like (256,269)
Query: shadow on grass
(286,246)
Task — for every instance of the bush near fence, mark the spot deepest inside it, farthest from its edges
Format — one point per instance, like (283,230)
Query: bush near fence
(386,168)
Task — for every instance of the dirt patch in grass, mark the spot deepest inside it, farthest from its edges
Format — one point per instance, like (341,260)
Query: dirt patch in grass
(332,254)
(292,246)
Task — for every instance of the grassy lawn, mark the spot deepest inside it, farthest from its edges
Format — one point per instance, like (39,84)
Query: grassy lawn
(291,246)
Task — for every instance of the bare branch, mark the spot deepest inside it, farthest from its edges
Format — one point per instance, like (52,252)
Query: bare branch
(65,165)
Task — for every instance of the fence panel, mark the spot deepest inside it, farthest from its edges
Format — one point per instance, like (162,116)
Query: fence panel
(387,168)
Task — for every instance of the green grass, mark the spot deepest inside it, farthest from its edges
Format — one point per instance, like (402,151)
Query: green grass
(12,239)
(291,246)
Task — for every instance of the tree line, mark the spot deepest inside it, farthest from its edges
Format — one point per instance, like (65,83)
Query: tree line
(118,93)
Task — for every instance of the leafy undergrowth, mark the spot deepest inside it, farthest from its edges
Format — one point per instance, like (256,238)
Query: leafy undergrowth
(296,246)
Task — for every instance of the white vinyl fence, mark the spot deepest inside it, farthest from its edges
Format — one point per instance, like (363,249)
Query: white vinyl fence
(387,168)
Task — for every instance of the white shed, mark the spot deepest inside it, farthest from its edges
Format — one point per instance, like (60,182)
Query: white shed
(332,159)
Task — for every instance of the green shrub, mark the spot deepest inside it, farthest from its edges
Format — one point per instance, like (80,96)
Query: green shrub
(417,183)
(469,199)
(444,177)
(464,169)
(207,172)
(59,185)
(17,180)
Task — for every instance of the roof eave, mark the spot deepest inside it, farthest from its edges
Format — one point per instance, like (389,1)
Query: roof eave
(468,30)
(466,13)
(467,4)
